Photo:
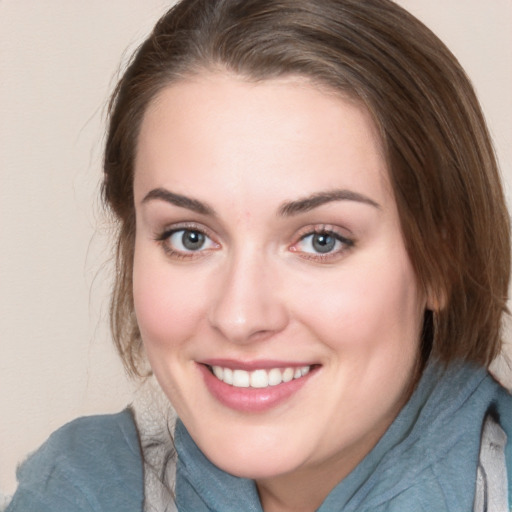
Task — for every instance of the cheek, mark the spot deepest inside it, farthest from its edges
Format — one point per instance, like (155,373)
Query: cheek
(167,307)
(368,308)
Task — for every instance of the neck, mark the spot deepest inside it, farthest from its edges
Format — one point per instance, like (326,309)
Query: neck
(305,489)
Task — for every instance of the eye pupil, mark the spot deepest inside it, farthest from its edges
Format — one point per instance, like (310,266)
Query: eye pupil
(323,242)
(192,240)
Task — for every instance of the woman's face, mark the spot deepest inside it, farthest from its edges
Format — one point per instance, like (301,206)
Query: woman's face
(276,301)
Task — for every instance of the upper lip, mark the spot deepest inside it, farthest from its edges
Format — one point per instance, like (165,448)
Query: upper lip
(263,364)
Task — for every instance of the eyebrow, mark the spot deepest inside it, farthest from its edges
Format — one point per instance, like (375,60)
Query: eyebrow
(315,200)
(286,209)
(179,200)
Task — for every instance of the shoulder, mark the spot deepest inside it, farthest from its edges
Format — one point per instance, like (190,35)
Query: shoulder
(504,417)
(90,464)
(92,434)
(494,475)
(502,411)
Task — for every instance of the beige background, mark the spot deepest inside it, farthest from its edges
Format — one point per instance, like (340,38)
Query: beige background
(58,62)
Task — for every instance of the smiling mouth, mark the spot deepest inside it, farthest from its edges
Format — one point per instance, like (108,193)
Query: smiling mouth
(261,378)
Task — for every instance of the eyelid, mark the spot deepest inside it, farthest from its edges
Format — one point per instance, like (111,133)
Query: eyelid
(186,225)
(347,242)
(163,235)
(339,232)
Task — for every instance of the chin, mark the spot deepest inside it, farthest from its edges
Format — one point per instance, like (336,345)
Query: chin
(255,467)
(251,457)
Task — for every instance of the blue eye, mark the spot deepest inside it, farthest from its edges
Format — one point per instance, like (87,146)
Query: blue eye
(324,242)
(188,240)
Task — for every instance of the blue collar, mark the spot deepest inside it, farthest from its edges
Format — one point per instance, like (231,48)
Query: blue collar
(427,458)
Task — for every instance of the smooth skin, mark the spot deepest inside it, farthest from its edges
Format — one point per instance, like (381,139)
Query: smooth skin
(239,265)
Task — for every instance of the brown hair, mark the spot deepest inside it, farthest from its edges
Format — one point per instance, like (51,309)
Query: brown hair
(440,159)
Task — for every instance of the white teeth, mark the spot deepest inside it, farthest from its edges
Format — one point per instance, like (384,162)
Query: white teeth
(259,378)
(241,379)
(274,377)
(288,374)
(228,376)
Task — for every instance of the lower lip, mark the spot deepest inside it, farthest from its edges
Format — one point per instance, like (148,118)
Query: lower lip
(251,399)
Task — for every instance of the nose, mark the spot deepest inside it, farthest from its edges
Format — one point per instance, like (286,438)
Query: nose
(246,305)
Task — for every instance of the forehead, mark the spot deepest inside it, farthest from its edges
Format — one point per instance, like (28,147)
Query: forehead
(275,136)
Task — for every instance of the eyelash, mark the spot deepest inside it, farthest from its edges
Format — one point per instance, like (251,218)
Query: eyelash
(164,240)
(346,243)
(330,231)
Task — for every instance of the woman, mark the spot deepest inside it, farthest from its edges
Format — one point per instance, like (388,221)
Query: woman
(313,258)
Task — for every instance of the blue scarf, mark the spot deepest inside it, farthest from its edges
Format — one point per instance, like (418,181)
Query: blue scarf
(425,461)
